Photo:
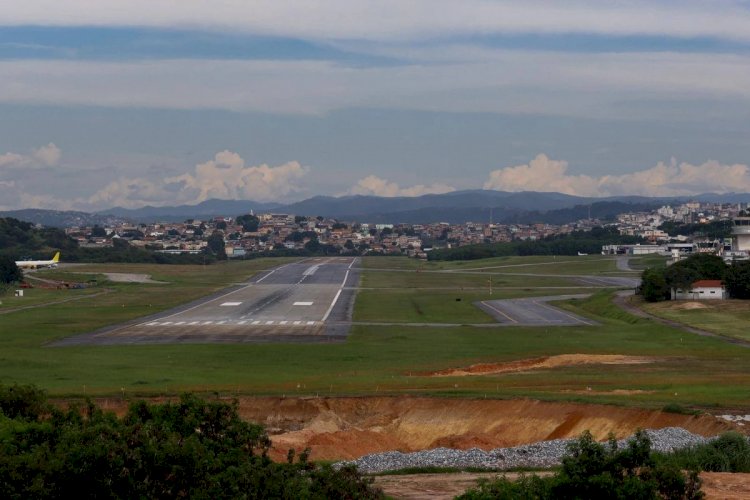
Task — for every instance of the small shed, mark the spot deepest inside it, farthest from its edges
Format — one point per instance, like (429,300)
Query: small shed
(701,290)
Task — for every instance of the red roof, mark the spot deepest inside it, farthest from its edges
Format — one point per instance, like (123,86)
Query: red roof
(707,284)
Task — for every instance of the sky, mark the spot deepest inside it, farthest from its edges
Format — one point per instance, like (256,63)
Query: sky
(164,102)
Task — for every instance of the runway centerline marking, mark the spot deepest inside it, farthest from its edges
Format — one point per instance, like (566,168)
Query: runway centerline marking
(230,304)
(303,303)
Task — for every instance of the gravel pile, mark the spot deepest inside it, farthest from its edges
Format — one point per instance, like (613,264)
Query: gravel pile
(542,454)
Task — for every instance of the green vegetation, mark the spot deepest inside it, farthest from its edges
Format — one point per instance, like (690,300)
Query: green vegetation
(727,317)
(729,453)
(657,283)
(9,272)
(593,470)
(568,244)
(713,229)
(192,448)
(687,369)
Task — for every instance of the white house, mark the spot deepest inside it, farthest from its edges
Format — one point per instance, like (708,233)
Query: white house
(702,290)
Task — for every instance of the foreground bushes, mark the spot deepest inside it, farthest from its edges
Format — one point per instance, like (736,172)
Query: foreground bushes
(592,470)
(192,448)
(729,453)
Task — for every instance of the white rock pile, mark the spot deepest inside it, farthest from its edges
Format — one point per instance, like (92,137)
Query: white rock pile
(537,455)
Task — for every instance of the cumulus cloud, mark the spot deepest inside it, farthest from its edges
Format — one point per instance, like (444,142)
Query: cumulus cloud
(48,156)
(224,177)
(664,179)
(376,186)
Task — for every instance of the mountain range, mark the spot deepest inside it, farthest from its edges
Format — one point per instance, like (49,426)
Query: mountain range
(454,207)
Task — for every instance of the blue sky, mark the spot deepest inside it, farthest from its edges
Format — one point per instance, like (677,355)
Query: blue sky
(164,102)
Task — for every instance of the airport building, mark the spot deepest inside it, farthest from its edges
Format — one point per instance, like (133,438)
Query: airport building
(741,234)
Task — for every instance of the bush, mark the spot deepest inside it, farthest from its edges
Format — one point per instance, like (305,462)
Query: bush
(189,449)
(593,470)
(729,453)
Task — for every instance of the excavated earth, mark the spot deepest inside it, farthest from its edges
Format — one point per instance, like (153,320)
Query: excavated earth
(346,428)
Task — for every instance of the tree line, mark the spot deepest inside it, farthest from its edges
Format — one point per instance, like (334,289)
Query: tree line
(187,449)
(657,282)
(567,244)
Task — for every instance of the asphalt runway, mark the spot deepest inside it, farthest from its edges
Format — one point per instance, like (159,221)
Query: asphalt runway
(307,301)
(533,311)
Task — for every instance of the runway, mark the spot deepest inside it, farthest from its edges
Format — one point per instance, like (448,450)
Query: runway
(307,301)
(533,311)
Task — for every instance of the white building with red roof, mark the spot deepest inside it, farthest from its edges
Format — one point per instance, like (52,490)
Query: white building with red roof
(702,290)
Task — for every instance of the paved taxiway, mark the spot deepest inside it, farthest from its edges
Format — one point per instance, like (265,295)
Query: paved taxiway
(533,311)
(306,301)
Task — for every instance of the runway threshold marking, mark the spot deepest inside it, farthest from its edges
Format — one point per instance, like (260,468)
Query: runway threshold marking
(230,304)
(303,303)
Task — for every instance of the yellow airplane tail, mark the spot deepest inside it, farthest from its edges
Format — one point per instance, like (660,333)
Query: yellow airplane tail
(56,258)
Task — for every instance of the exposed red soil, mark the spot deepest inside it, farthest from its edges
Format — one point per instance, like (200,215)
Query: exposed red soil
(544,362)
(347,428)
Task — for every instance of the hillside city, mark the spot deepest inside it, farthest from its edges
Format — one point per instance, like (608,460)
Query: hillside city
(249,234)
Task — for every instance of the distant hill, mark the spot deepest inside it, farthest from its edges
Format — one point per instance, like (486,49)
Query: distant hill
(455,207)
(204,210)
(61,218)
(371,207)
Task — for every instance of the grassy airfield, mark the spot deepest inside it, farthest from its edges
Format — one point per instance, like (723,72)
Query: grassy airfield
(684,369)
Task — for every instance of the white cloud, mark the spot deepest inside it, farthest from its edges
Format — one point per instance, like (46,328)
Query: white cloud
(375,186)
(227,177)
(396,19)
(224,177)
(664,179)
(48,156)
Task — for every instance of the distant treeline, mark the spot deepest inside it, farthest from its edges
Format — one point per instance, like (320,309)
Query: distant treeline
(568,244)
(657,283)
(713,229)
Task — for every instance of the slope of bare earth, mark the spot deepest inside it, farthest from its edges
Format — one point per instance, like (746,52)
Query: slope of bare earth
(347,428)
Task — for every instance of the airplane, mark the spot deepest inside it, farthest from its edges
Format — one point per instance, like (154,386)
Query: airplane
(36,264)
(581,253)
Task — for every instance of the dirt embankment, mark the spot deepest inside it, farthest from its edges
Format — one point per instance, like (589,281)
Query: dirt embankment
(348,428)
(545,362)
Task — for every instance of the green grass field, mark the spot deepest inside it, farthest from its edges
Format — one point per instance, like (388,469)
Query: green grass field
(727,317)
(686,369)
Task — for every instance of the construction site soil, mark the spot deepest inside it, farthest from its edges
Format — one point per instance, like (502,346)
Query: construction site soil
(345,428)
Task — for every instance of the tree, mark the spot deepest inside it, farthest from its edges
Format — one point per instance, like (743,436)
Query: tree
(216,245)
(737,280)
(313,246)
(654,286)
(188,449)
(98,232)
(249,223)
(349,245)
(9,271)
(593,470)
